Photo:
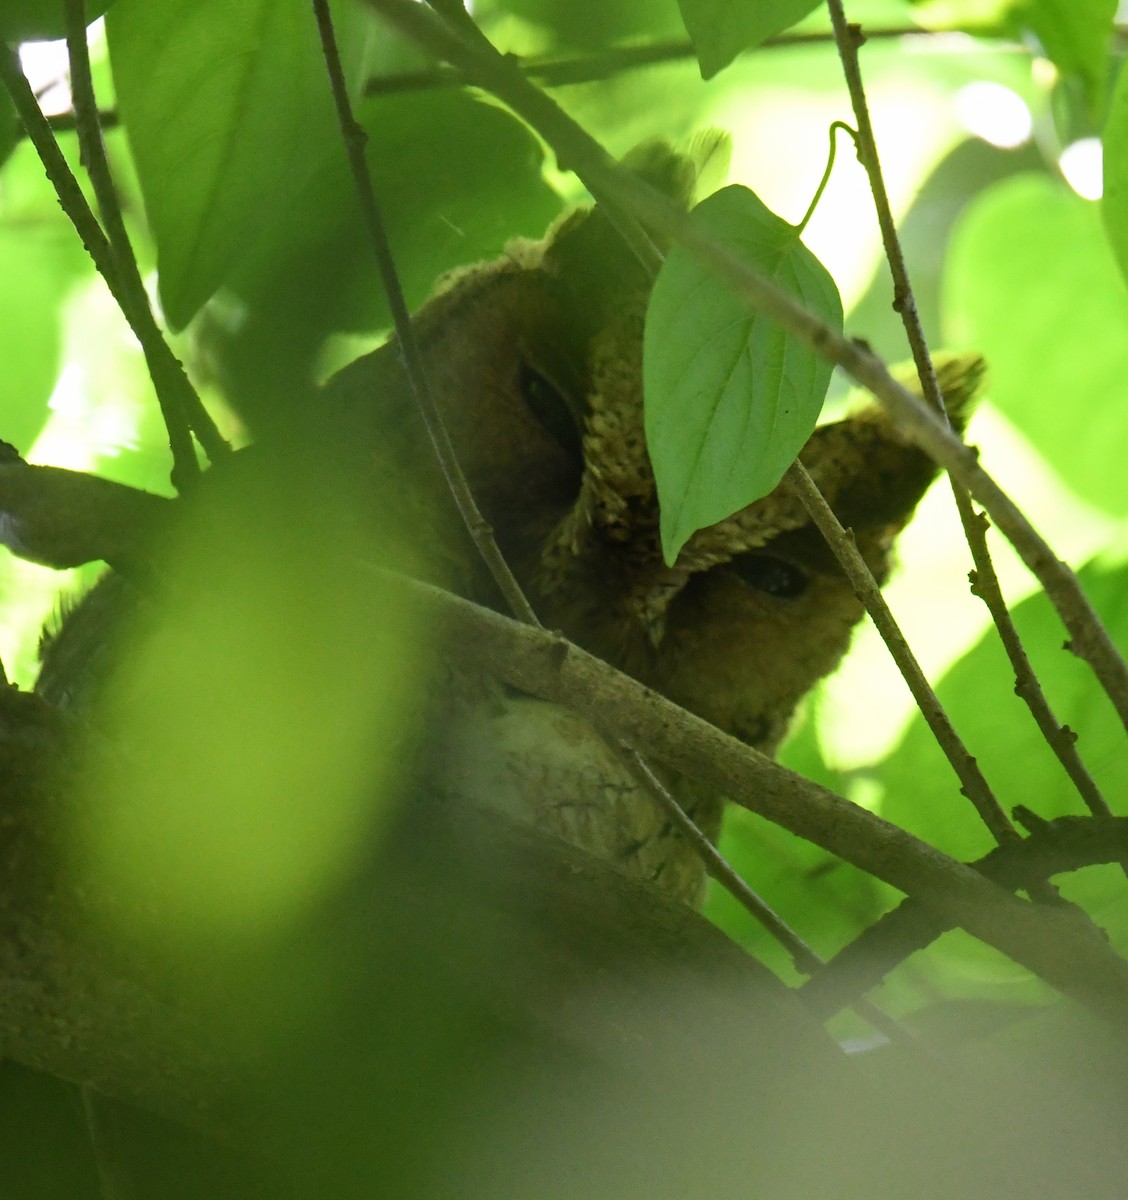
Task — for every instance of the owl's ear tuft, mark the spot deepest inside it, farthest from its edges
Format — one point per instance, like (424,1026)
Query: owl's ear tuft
(664,168)
(587,253)
(961,378)
(683,176)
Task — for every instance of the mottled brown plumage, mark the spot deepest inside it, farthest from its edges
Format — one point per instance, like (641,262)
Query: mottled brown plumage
(535,362)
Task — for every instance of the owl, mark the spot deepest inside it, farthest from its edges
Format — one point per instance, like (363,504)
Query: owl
(535,364)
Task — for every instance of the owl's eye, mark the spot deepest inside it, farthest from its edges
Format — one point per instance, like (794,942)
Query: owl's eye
(771,575)
(546,403)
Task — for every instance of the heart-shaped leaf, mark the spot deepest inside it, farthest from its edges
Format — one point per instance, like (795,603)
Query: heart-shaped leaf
(730,397)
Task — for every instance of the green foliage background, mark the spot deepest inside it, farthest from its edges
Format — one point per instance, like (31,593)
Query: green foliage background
(243,215)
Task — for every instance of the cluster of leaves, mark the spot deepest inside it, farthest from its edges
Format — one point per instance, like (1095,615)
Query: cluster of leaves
(237,189)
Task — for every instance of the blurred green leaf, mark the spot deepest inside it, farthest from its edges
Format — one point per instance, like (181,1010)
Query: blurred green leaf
(456,178)
(228,107)
(722,29)
(40,260)
(40,20)
(9,127)
(730,398)
(1076,36)
(1031,285)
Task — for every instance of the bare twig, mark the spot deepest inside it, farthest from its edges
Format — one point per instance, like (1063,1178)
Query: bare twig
(972,783)
(560,71)
(804,959)
(1066,844)
(984,580)
(355,140)
(577,150)
(175,392)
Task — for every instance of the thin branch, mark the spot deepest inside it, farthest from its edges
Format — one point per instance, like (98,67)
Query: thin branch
(1089,639)
(972,782)
(1048,940)
(984,580)
(1061,739)
(805,960)
(74,204)
(1054,847)
(560,71)
(178,399)
(626,224)
(355,140)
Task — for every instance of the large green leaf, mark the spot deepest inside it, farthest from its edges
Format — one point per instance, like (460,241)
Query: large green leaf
(1075,35)
(228,108)
(1031,285)
(455,179)
(730,397)
(722,29)
(40,20)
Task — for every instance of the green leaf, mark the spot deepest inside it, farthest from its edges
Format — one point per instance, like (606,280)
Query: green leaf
(1031,285)
(722,29)
(1114,201)
(1075,35)
(40,261)
(228,107)
(730,397)
(456,179)
(40,20)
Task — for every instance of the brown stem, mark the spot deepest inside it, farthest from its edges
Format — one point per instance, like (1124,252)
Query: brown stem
(560,71)
(972,782)
(180,405)
(804,959)
(984,580)
(1067,844)
(355,140)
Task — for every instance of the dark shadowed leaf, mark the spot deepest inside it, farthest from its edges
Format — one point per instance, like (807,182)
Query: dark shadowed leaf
(730,397)
(228,107)
(722,29)
(40,20)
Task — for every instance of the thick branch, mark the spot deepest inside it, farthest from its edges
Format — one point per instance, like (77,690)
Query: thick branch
(1054,847)
(1065,952)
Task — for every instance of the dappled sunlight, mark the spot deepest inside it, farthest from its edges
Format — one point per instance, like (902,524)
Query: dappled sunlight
(262,721)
